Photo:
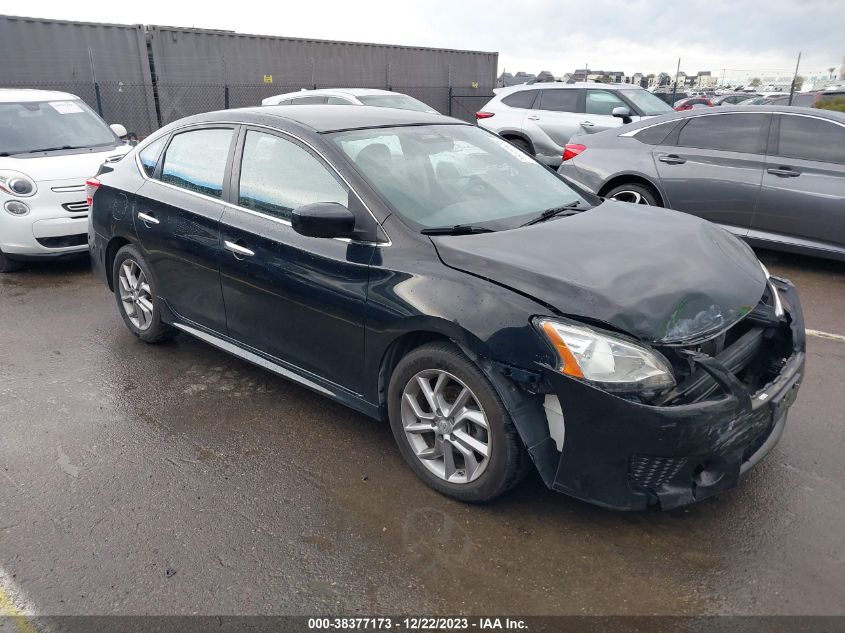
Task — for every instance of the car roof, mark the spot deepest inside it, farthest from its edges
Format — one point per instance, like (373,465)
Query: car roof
(832,115)
(353,92)
(548,85)
(17,95)
(326,118)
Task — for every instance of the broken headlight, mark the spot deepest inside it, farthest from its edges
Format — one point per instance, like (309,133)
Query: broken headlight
(609,362)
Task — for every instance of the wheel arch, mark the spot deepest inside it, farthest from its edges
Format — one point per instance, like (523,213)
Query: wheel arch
(403,344)
(638,179)
(114,245)
(515,134)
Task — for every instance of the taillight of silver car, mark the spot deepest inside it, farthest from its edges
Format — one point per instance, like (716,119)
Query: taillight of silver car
(571,150)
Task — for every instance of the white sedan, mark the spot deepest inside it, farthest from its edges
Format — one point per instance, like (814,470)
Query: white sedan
(350,96)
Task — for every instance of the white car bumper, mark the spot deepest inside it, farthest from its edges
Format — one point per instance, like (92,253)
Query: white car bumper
(57,222)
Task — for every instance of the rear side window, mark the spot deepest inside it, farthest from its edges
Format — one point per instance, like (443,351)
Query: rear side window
(277,176)
(150,154)
(602,102)
(196,161)
(521,99)
(725,132)
(337,101)
(808,138)
(560,100)
(308,100)
(657,134)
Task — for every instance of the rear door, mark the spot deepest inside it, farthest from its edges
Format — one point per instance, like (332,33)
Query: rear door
(803,192)
(177,220)
(298,299)
(712,167)
(554,120)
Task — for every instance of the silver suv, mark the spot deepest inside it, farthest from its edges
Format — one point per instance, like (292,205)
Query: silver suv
(540,118)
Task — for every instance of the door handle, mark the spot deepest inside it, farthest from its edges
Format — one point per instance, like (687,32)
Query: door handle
(671,159)
(784,172)
(587,124)
(533,118)
(237,250)
(147,218)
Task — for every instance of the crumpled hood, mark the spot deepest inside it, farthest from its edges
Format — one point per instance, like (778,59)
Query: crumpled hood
(62,166)
(660,275)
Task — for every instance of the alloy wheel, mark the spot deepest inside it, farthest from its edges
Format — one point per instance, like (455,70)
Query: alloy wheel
(135,295)
(445,426)
(634,197)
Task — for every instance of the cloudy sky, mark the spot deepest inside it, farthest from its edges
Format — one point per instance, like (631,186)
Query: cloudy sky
(740,36)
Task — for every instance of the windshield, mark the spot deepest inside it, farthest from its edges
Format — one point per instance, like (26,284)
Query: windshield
(34,126)
(403,102)
(447,175)
(646,102)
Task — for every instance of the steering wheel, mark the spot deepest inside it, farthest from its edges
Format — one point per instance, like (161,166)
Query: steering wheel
(476,186)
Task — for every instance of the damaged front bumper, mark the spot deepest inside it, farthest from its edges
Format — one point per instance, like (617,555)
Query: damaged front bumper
(626,455)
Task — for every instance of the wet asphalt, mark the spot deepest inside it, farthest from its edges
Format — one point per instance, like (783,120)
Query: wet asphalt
(175,479)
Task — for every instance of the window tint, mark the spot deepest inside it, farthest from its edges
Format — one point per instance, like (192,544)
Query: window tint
(602,102)
(805,101)
(277,176)
(561,100)
(657,134)
(197,161)
(811,139)
(150,154)
(726,132)
(308,100)
(337,101)
(521,99)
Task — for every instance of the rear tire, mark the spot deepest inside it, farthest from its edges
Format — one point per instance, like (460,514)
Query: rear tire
(137,298)
(8,265)
(485,457)
(634,193)
(521,144)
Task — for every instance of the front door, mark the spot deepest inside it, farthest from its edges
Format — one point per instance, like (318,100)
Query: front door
(803,193)
(177,220)
(712,167)
(298,299)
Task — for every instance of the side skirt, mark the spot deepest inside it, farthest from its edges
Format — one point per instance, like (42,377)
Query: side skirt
(322,387)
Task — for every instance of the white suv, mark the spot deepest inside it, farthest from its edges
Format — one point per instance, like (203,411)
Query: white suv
(350,96)
(50,143)
(540,118)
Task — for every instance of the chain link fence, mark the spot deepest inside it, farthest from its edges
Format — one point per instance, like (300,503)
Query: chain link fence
(143,108)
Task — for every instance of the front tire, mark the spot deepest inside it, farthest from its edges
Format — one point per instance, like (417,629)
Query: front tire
(8,265)
(137,299)
(635,194)
(451,425)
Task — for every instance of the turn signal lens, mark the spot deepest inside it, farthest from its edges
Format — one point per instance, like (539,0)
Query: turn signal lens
(569,365)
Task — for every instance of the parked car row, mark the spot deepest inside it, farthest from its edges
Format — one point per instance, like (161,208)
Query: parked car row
(428,272)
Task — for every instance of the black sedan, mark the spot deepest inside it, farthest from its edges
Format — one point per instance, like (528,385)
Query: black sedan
(425,271)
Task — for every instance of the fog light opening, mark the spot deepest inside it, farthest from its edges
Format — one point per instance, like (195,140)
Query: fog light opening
(709,473)
(16,207)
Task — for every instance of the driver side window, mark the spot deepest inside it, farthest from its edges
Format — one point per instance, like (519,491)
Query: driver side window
(602,102)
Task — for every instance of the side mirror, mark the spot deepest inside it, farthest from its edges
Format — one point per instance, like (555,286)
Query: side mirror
(323,219)
(118,129)
(622,112)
